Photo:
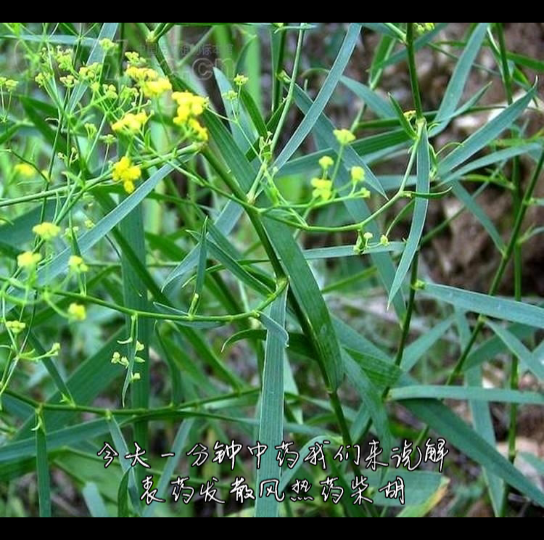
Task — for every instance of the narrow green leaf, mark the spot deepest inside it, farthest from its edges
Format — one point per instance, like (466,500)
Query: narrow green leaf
(420,214)
(507,310)
(454,91)
(122,496)
(371,397)
(495,157)
(122,449)
(458,434)
(485,135)
(272,404)
(466,393)
(423,509)
(531,361)
(254,113)
(477,211)
(481,414)
(404,123)
(239,123)
(369,97)
(42,467)
(421,346)
(201,269)
(306,290)
(94,500)
(324,95)
(272,327)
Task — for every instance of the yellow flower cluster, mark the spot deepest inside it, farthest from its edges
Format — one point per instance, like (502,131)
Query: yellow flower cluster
(64,58)
(190,107)
(46,231)
(344,136)
(322,188)
(131,122)
(90,73)
(240,80)
(153,89)
(15,326)
(107,44)
(124,171)
(9,84)
(77,265)
(28,260)
(422,28)
(326,162)
(149,81)
(357,174)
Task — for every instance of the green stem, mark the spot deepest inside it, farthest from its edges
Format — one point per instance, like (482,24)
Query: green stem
(413,71)
(517,202)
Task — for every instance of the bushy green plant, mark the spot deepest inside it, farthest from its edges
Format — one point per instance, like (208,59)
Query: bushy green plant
(179,242)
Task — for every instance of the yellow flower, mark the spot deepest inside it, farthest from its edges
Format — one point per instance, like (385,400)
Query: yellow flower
(90,73)
(28,259)
(240,80)
(107,44)
(152,89)
(326,162)
(77,265)
(124,171)
(64,58)
(110,92)
(141,74)
(47,231)
(322,188)
(69,81)
(344,136)
(118,359)
(15,326)
(24,169)
(188,105)
(384,241)
(231,95)
(131,122)
(42,78)
(135,59)
(77,312)
(201,132)
(357,174)
(422,28)
(11,85)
